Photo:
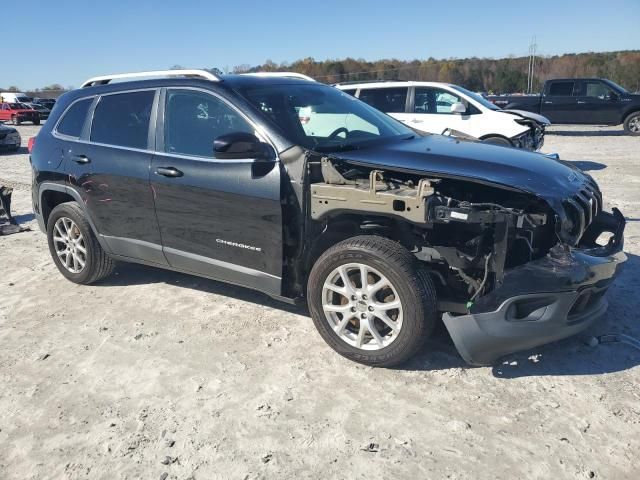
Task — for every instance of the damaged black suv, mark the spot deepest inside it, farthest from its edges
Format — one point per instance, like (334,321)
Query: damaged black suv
(294,188)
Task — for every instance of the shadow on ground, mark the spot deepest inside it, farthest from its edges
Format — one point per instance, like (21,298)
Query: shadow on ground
(135,274)
(587,166)
(587,133)
(572,356)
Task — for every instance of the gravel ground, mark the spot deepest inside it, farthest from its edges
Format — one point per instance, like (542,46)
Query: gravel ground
(152,372)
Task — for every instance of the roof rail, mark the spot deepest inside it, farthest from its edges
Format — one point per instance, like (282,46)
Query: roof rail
(104,79)
(281,74)
(354,82)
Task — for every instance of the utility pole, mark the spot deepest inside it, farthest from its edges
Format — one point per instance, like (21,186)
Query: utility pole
(532,63)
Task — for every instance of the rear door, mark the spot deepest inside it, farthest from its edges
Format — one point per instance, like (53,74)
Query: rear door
(598,103)
(109,165)
(4,112)
(391,100)
(560,103)
(218,218)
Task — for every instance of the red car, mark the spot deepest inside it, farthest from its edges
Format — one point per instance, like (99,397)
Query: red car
(18,113)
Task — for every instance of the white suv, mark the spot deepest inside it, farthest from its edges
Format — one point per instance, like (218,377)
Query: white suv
(440,107)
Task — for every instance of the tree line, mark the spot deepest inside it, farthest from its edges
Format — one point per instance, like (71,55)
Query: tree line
(505,75)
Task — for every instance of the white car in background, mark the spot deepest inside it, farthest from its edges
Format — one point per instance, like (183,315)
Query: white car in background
(442,107)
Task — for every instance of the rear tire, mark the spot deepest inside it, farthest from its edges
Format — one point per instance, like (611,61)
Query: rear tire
(632,123)
(68,233)
(503,142)
(404,330)
(36,122)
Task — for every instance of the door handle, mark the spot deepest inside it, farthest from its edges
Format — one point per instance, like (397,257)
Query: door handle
(548,102)
(169,172)
(415,120)
(581,102)
(81,159)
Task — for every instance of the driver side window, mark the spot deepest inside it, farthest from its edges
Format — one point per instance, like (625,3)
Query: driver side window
(434,100)
(193,120)
(597,90)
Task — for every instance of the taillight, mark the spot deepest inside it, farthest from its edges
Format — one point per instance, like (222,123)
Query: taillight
(31,144)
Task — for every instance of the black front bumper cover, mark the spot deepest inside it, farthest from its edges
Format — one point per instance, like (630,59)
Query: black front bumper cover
(544,300)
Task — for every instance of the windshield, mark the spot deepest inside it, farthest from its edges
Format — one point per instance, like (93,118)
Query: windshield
(477,97)
(18,106)
(323,118)
(617,87)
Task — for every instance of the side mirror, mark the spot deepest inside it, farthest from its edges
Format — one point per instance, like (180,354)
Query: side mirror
(611,96)
(241,145)
(458,107)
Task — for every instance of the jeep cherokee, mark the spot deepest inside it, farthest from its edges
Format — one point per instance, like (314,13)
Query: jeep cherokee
(381,230)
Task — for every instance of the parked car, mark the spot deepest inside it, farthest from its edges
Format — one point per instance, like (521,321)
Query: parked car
(585,101)
(380,229)
(18,113)
(436,107)
(9,138)
(43,112)
(15,97)
(47,103)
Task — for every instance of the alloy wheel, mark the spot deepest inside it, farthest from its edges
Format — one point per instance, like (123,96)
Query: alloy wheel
(362,306)
(69,245)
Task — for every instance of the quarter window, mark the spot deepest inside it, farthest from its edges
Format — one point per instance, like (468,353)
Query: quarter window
(193,120)
(388,100)
(561,89)
(73,120)
(122,119)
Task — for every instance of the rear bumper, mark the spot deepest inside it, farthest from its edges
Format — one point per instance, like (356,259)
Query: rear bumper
(542,301)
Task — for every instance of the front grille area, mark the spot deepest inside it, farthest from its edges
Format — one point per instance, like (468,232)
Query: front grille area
(583,207)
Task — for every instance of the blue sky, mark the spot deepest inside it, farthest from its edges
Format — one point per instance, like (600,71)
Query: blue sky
(78,39)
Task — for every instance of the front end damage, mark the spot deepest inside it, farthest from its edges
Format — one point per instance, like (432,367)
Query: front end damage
(512,270)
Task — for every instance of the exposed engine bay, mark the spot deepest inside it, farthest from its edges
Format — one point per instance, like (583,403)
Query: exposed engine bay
(468,234)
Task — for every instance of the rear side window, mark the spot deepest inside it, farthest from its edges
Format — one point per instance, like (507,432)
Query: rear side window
(559,89)
(388,100)
(122,119)
(350,91)
(73,120)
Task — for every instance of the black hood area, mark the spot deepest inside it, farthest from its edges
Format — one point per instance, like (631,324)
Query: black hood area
(445,157)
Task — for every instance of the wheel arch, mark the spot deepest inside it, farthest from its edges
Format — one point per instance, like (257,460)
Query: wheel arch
(50,195)
(631,111)
(343,226)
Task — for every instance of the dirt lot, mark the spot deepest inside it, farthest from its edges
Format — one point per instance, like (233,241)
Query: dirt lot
(152,372)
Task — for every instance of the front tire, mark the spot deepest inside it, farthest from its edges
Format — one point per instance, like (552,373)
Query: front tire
(503,142)
(36,122)
(371,302)
(73,246)
(632,124)
(15,120)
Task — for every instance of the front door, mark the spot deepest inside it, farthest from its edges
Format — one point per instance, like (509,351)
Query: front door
(598,103)
(431,112)
(218,218)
